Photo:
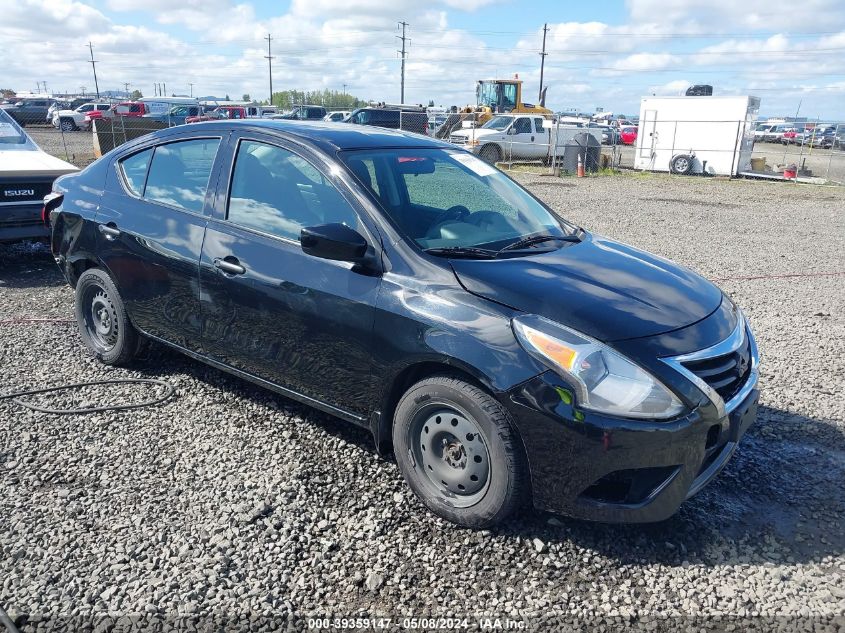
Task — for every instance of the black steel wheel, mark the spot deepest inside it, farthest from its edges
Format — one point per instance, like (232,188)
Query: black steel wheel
(102,320)
(450,446)
(458,451)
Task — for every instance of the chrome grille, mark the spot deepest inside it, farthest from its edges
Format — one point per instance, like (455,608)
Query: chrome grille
(725,374)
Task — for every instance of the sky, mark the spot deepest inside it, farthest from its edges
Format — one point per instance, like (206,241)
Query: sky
(600,54)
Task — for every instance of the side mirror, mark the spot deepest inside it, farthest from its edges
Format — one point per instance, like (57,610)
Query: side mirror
(334,241)
(511,131)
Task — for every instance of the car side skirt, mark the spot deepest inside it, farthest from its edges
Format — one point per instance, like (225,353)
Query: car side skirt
(261,382)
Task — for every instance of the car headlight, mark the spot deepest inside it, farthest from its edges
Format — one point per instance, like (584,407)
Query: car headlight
(604,380)
(472,143)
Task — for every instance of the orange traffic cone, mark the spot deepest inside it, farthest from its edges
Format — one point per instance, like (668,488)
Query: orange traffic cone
(580,172)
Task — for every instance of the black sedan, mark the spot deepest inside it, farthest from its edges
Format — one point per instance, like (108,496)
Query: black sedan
(399,283)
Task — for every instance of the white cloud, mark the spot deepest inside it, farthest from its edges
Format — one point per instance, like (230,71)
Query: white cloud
(219,46)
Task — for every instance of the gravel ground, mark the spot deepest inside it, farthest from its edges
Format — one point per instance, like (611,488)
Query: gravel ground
(231,502)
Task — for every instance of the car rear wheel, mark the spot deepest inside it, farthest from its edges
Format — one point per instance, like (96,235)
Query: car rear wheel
(102,319)
(458,451)
(67,125)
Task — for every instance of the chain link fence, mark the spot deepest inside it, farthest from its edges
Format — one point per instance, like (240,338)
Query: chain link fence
(536,144)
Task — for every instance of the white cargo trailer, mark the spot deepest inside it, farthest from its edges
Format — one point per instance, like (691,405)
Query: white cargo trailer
(692,135)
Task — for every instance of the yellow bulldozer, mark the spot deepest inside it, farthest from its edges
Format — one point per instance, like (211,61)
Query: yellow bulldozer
(492,96)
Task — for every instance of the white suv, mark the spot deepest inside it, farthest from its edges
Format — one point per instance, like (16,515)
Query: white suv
(69,120)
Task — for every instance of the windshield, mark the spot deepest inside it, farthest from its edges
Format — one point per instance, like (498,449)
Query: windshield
(10,133)
(498,123)
(500,97)
(445,198)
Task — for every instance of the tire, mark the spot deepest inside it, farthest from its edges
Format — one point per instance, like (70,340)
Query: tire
(102,319)
(490,154)
(67,125)
(681,164)
(458,451)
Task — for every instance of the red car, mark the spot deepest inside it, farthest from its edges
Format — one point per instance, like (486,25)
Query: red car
(133,109)
(628,135)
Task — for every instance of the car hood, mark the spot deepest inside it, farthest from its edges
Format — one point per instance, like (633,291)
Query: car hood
(68,112)
(31,162)
(605,289)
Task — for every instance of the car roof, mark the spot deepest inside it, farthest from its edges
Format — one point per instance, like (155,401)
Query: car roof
(327,136)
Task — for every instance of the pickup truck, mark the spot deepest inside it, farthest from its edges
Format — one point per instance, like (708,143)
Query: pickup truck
(519,137)
(221,112)
(130,109)
(26,176)
(69,120)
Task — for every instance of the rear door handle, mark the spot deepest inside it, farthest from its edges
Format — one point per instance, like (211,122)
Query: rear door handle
(110,231)
(229,265)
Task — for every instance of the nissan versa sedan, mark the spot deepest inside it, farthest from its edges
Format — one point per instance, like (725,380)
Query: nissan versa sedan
(501,352)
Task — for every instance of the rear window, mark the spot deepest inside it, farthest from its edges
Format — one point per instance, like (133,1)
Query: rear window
(10,133)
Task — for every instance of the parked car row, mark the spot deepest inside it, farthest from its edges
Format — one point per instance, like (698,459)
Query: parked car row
(825,136)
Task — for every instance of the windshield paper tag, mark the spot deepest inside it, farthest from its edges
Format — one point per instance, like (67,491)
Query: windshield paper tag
(477,165)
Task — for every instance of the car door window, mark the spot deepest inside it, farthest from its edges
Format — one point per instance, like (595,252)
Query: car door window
(103,107)
(179,173)
(275,191)
(522,126)
(86,108)
(538,125)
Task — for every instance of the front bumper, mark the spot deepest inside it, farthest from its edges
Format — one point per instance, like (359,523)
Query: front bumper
(597,468)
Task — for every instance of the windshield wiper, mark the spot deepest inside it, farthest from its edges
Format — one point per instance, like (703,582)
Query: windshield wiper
(462,251)
(538,239)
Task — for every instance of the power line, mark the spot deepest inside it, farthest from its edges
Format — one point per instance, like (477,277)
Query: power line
(269,58)
(94,67)
(403,38)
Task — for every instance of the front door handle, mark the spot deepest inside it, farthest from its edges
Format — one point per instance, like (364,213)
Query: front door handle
(229,265)
(110,231)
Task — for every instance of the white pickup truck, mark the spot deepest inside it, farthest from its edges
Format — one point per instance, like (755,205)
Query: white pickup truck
(68,120)
(526,137)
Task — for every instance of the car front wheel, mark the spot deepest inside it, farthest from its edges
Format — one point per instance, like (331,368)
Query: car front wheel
(102,319)
(458,451)
(67,125)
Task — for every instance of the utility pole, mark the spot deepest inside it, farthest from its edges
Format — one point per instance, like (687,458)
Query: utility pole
(94,67)
(543,61)
(269,58)
(403,24)
(192,89)
(126,88)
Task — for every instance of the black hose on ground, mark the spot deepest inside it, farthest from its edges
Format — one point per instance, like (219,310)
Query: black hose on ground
(7,623)
(168,391)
